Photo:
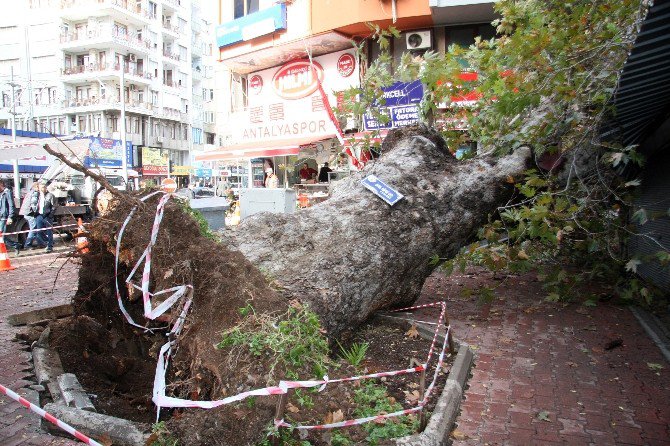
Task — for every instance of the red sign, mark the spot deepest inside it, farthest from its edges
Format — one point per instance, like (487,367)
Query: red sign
(255,84)
(346,65)
(168,185)
(154,170)
(296,80)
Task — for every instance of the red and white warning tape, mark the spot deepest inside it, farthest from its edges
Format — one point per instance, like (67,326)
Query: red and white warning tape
(186,291)
(47,416)
(41,229)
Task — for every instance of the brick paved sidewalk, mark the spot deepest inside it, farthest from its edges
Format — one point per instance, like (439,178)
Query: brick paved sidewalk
(26,288)
(542,374)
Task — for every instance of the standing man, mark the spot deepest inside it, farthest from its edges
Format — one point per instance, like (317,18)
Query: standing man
(307,173)
(323,173)
(7,212)
(46,207)
(29,212)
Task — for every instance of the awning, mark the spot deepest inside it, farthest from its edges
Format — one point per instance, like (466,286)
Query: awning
(9,150)
(258,149)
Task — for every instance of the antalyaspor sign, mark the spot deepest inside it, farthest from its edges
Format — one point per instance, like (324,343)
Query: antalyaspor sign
(284,102)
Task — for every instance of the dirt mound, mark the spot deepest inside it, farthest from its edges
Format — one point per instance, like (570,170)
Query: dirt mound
(119,360)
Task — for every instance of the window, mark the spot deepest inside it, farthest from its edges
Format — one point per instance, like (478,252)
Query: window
(209,138)
(154,97)
(182,52)
(182,24)
(153,10)
(245,7)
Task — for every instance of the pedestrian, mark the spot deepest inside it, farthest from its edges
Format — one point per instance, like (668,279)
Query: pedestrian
(46,207)
(323,173)
(29,212)
(271,181)
(7,213)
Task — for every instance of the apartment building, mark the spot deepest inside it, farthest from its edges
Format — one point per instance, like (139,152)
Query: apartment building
(286,57)
(79,65)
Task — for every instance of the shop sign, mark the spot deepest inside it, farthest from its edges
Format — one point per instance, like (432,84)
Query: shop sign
(292,107)
(251,26)
(203,173)
(181,170)
(401,105)
(296,80)
(346,65)
(382,190)
(105,152)
(153,162)
(255,84)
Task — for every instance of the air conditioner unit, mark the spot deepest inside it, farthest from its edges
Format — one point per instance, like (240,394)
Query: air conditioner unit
(418,40)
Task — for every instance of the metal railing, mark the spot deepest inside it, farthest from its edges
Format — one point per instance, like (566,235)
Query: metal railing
(97,67)
(111,34)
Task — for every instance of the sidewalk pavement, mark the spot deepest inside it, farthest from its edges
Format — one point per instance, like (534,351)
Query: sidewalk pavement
(553,373)
(32,285)
(543,374)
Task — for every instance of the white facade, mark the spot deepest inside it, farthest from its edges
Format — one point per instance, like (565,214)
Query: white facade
(67,56)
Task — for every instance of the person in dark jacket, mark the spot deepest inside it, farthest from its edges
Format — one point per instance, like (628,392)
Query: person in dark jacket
(46,207)
(29,212)
(7,213)
(323,173)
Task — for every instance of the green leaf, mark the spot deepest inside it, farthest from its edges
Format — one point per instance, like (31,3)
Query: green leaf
(654,366)
(553,297)
(632,265)
(640,216)
(543,416)
(589,303)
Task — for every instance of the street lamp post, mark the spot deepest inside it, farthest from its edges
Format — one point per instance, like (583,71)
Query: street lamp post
(124,163)
(15,161)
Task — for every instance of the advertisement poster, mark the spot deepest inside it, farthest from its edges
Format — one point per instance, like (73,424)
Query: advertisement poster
(105,152)
(153,163)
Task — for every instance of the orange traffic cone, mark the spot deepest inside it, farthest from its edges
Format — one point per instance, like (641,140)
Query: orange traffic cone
(82,242)
(4,258)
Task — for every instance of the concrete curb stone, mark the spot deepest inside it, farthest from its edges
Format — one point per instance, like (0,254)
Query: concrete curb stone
(119,431)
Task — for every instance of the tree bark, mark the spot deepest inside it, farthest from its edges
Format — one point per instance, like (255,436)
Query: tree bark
(354,254)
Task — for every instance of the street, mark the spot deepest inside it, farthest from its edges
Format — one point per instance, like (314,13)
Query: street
(39,280)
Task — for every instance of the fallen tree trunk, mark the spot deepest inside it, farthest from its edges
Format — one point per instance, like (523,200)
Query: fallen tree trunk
(354,254)
(346,258)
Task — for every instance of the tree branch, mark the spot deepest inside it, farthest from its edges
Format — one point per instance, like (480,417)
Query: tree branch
(81,168)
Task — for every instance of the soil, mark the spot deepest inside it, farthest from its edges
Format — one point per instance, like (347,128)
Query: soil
(116,362)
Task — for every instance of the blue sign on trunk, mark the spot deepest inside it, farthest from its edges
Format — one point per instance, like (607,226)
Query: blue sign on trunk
(382,190)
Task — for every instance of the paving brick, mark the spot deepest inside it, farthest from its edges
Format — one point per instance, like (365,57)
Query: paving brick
(552,355)
(628,435)
(17,425)
(653,431)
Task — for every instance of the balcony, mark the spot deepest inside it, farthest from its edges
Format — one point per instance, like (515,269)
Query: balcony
(171,30)
(107,38)
(119,9)
(87,73)
(172,58)
(170,113)
(105,103)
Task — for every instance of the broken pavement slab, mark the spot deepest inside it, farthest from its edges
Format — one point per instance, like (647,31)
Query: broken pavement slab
(42,314)
(73,393)
(117,431)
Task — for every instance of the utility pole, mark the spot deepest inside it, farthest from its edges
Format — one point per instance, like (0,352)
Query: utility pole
(15,161)
(124,163)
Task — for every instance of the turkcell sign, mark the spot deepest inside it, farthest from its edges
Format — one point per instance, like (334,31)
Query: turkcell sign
(400,104)
(248,27)
(382,190)
(402,93)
